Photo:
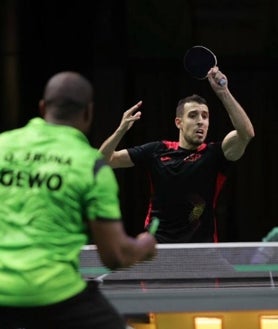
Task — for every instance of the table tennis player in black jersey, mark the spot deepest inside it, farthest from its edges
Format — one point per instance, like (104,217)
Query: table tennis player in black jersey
(186,175)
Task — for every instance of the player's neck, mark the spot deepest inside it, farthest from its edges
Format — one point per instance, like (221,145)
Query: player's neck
(188,146)
(184,144)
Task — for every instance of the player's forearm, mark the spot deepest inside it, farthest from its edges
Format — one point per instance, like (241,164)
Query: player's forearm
(132,251)
(238,116)
(140,249)
(110,144)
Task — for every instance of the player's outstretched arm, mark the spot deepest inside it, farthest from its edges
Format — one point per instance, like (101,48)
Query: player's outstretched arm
(117,249)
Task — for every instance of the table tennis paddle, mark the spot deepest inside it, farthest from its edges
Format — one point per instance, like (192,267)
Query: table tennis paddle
(198,60)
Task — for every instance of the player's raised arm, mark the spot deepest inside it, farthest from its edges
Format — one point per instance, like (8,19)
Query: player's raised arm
(108,148)
(235,142)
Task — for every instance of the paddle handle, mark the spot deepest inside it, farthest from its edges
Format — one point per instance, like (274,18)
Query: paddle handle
(222,82)
(154,226)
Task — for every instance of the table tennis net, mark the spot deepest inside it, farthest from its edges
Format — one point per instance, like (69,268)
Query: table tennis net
(234,263)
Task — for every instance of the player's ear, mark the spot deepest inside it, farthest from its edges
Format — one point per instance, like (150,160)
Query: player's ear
(42,107)
(88,114)
(178,122)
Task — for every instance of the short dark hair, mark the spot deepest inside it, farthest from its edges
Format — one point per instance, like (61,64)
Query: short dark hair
(67,93)
(193,98)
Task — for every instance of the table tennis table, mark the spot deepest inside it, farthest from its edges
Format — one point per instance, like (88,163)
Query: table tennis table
(199,277)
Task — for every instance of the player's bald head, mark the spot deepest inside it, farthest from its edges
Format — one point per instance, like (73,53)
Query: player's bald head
(67,92)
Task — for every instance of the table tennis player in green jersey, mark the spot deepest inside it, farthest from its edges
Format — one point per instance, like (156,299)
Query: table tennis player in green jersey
(56,191)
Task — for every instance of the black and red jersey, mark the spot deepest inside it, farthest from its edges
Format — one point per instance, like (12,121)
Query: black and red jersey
(185,185)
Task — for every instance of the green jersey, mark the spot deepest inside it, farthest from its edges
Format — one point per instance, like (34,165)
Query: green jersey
(51,182)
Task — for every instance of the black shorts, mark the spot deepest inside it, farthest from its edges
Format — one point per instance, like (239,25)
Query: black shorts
(88,310)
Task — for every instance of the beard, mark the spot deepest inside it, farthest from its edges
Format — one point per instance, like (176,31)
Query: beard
(195,142)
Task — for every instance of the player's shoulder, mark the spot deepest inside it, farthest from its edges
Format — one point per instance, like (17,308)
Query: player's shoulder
(146,147)
(11,136)
(215,150)
(214,146)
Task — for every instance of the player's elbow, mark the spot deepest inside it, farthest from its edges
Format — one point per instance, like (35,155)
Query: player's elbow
(112,264)
(107,158)
(246,139)
(112,160)
(250,134)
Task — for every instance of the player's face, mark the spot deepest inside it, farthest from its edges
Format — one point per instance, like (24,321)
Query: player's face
(193,125)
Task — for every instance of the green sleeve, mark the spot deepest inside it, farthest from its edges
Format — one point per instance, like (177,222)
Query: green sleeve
(103,201)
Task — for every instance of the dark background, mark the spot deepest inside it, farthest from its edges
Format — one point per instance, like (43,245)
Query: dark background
(132,50)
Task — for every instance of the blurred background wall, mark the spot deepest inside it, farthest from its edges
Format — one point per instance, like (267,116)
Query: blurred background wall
(132,50)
